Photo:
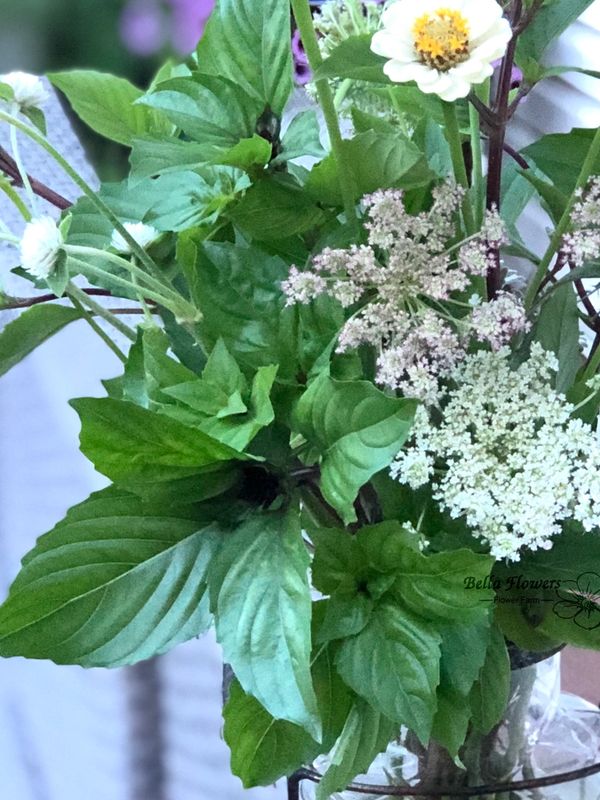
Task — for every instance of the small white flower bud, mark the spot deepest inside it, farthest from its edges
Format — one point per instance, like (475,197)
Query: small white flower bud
(40,246)
(28,90)
(143,234)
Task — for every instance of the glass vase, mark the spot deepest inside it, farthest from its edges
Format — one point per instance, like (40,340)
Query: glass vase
(543,735)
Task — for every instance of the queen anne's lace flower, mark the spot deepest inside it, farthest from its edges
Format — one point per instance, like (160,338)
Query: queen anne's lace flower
(446,46)
(143,234)
(40,247)
(583,243)
(500,320)
(28,90)
(514,463)
(400,281)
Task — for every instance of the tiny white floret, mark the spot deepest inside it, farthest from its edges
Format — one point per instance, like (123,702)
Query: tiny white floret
(143,234)
(446,46)
(28,90)
(40,246)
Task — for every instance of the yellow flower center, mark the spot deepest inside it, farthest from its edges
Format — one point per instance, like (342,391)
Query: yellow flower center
(442,38)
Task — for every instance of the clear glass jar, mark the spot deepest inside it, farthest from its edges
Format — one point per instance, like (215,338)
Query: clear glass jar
(543,733)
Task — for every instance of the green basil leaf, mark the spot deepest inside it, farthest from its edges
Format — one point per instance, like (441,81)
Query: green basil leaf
(489,695)
(107,105)
(357,428)
(248,41)
(366,734)
(31,329)
(550,21)
(141,449)
(557,330)
(116,582)
(261,599)
(394,664)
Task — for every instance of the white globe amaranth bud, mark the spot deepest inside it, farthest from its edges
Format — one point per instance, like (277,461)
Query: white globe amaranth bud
(40,247)
(143,234)
(28,90)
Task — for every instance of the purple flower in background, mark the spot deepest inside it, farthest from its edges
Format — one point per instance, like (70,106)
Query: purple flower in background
(188,20)
(148,25)
(143,26)
(303,73)
(516,77)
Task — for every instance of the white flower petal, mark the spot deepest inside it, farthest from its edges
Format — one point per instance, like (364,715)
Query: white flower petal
(457,89)
(386,44)
(40,246)
(496,39)
(143,234)
(473,70)
(489,34)
(399,72)
(28,90)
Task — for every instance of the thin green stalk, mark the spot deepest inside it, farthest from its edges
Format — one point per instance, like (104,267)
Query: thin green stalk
(87,316)
(16,153)
(561,228)
(79,296)
(592,367)
(478,186)
(341,93)
(7,236)
(458,162)
(15,199)
(142,301)
(162,293)
(40,139)
(92,271)
(304,21)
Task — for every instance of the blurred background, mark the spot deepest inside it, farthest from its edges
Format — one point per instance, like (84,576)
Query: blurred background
(130,38)
(151,732)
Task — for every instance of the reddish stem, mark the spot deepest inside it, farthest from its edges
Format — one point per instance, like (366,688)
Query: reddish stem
(9,167)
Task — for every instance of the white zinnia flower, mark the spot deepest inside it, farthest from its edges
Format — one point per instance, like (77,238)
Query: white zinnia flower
(40,246)
(28,90)
(143,234)
(446,46)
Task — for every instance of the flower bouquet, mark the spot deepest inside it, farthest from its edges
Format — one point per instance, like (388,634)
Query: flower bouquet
(348,432)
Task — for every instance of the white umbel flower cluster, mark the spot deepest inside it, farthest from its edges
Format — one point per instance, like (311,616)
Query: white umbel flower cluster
(498,321)
(143,234)
(28,90)
(446,46)
(582,244)
(40,247)
(515,464)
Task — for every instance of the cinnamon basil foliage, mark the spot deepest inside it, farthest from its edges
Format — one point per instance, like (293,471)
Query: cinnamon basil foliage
(249,454)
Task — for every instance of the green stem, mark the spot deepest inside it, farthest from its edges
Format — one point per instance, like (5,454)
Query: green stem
(458,162)
(591,369)
(91,271)
(122,263)
(37,137)
(15,199)
(156,290)
(79,296)
(561,228)
(142,301)
(304,21)
(341,93)
(16,152)
(478,189)
(8,237)
(87,316)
